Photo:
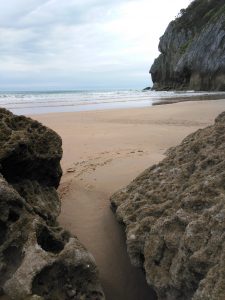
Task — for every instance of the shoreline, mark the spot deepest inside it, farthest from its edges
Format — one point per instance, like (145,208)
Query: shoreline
(35,104)
(104,151)
(166,101)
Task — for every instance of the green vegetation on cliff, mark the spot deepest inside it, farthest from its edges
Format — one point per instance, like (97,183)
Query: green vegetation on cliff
(200,12)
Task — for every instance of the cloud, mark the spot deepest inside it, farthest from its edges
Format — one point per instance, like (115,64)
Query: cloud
(81,42)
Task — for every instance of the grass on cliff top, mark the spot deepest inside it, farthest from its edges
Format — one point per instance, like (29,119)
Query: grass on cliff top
(199,13)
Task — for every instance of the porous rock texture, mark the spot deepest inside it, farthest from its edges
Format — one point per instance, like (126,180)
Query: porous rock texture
(174,216)
(193,49)
(38,259)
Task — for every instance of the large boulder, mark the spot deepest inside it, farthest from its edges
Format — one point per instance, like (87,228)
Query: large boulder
(174,216)
(29,150)
(38,259)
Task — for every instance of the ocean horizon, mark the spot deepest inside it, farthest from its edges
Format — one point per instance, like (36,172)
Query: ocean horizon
(40,102)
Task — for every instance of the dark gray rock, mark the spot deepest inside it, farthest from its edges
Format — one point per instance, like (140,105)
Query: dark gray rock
(29,150)
(174,216)
(38,259)
(193,50)
(146,89)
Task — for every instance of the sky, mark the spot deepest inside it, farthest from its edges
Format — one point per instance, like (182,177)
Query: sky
(81,44)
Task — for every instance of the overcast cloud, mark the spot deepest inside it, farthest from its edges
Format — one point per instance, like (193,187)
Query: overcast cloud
(79,44)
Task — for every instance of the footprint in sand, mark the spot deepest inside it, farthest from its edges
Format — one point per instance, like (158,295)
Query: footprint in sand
(70,170)
(89,187)
(101,159)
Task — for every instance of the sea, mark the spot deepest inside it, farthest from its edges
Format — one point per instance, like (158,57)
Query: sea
(27,103)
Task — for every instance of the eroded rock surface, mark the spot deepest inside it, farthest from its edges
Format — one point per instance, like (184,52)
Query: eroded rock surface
(174,216)
(38,259)
(193,49)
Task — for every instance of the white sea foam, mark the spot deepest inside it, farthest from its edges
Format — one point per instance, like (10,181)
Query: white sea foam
(66,101)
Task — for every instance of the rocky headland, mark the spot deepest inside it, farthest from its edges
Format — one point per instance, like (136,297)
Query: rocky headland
(174,217)
(193,50)
(38,258)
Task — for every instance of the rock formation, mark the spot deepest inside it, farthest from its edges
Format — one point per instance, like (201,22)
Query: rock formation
(193,49)
(174,216)
(38,259)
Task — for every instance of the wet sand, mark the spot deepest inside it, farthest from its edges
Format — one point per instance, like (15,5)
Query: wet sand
(103,151)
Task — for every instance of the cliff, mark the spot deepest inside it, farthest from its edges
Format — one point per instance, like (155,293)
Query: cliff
(38,259)
(174,217)
(193,50)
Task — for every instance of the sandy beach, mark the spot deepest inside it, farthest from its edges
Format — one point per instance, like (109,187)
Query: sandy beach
(103,151)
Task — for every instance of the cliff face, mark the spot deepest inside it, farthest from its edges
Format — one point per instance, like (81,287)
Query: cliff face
(38,259)
(174,215)
(193,49)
